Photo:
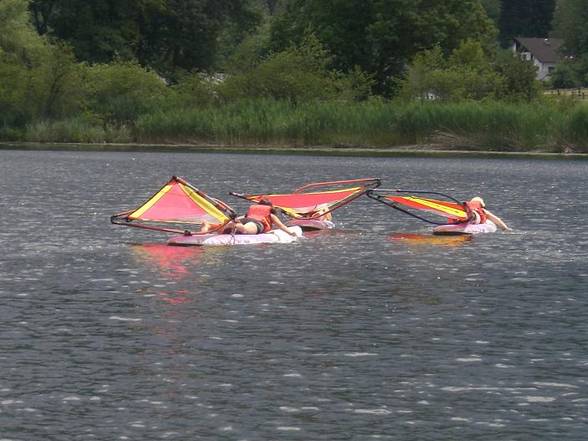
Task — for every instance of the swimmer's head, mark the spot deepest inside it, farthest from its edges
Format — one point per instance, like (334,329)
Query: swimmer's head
(478,201)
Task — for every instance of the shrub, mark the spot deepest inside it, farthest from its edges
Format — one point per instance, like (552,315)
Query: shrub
(297,74)
(14,109)
(193,91)
(469,74)
(122,91)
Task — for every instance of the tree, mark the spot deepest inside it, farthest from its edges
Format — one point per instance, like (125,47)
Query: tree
(525,18)
(187,35)
(17,38)
(297,74)
(470,73)
(571,23)
(120,92)
(164,34)
(520,77)
(381,36)
(565,76)
(39,80)
(493,8)
(98,30)
(467,73)
(271,6)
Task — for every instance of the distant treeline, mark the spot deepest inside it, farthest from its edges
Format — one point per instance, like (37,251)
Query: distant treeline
(354,72)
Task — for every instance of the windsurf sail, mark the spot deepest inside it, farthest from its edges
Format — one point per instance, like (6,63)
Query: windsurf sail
(412,202)
(317,199)
(175,208)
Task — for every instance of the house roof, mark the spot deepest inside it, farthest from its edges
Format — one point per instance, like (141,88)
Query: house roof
(545,50)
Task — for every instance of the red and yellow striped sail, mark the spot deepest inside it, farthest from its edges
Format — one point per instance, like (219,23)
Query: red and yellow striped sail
(177,202)
(301,204)
(450,210)
(304,203)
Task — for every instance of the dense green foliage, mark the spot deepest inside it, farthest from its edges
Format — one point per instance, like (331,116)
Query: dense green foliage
(571,24)
(296,74)
(303,72)
(493,9)
(525,18)
(38,80)
(468,73)
(381,36)
(163,34)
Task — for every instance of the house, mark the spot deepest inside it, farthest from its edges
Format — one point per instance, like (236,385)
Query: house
(543,52)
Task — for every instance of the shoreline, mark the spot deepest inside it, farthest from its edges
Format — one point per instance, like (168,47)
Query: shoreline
(429,151)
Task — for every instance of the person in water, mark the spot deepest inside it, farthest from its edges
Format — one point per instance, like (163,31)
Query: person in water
(478,214)
(322,213)
(260,218)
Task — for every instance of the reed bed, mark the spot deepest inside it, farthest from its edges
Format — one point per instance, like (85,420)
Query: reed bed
(501,126)
(76,130)
(547,125)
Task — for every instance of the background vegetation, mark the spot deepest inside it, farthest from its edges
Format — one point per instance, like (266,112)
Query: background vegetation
(290,72)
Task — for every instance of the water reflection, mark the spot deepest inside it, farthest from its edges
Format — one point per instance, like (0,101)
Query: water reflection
(430,239)
(171,265)
(171,262)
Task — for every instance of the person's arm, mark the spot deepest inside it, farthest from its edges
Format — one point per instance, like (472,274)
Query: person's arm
(205,228)
(499,222)
(276,220)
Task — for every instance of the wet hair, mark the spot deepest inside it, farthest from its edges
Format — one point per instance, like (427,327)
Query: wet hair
(266,201)
(479,200)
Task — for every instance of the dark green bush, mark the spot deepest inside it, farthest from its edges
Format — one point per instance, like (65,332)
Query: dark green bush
(120,92)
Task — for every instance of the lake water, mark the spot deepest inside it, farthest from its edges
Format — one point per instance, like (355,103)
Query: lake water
(355,334)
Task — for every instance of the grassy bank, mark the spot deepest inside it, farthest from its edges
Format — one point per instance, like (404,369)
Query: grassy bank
(549,126)
(409,151)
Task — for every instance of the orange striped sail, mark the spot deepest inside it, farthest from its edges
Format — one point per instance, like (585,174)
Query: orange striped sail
(312,200)
(452,210)
(177,203)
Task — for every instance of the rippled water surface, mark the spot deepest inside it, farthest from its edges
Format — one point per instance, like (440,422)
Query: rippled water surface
(357,334)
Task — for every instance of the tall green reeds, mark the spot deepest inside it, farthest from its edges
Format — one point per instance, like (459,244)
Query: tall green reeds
(489,125)
(267,121)
(481,125)
(577,128)
(493,125)
(75,130)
